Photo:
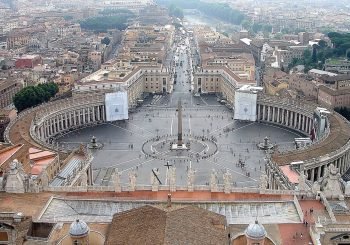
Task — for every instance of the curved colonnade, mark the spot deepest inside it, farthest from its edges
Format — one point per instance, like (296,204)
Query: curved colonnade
(65,115)
(332,148)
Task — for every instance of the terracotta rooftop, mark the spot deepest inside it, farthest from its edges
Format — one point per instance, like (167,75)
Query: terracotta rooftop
(6,153)
(19,202)
(19,134)
(153,225)
(291,175)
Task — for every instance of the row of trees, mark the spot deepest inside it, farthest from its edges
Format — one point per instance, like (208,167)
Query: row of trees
(220,11)
(256,27)
(108,19)
(111,12)
(341,43)
(316,57)
(34,95)
(175,11)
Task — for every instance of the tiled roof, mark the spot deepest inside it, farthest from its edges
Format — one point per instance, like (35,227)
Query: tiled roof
(152,225)
(291,175)
(67,170)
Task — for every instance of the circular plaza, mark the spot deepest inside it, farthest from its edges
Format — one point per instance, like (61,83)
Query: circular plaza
(216,143)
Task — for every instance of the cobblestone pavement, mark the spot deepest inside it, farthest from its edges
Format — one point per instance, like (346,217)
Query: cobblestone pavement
(202,117)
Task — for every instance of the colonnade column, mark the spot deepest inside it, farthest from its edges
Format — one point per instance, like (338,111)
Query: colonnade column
(318,172)
(278,115)
(345,163)
(302,123)
(84,115)
(103,112)
(264,109)
(74,118)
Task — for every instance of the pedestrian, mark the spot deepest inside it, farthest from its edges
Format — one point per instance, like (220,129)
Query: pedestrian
(301,236)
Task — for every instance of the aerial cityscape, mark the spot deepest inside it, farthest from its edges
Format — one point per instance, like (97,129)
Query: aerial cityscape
(175,122)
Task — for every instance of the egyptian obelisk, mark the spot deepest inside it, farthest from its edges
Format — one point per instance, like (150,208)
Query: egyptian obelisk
(179,126)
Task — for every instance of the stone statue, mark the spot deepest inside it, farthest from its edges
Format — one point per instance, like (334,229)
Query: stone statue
(332,185)
(214,181)
(316,187)
(132,180)
(190,179)
(15,179)
(44,180)
(33,186)
(227,181)
(172,178)
(154,181)
(264,181)
(302,182)
(347,188)
(116,181)
(323,181)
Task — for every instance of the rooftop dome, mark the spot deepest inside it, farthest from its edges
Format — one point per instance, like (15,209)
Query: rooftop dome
(79,229)
(255,231)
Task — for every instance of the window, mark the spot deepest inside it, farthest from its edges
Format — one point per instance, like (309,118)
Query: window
(4,236)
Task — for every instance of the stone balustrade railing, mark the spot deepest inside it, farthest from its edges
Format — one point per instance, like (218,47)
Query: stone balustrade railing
(328,207)
(126,188)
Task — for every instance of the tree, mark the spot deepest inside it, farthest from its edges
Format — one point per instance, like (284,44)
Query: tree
(221,11)
(102,23)
(322,44)
(68,17)
(246,24)
(175,11)
(34,95)
(106,41)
